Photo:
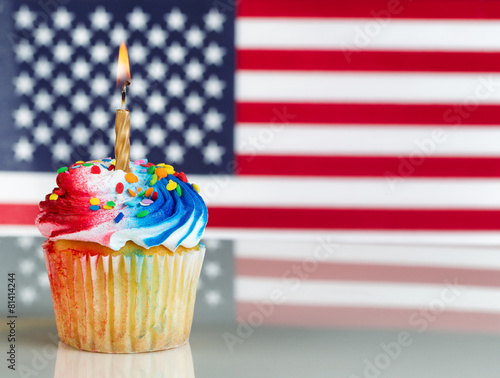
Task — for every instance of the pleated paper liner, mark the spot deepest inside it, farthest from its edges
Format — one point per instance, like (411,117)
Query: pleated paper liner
(175,363)
(133,300)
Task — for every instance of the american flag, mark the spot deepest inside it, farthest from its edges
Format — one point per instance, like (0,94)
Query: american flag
(353,128)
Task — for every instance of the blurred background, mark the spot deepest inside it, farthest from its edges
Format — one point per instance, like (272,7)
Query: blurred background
(348,153)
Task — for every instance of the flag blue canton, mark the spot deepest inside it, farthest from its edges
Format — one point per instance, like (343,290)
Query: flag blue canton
(64,94)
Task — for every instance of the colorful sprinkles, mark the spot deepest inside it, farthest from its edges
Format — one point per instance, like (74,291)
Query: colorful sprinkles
(139,197)
(119,217)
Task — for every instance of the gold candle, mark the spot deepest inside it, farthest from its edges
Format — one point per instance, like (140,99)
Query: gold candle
(122,142)
(122,120)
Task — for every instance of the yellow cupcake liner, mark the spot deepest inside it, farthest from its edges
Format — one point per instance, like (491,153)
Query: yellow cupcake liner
(122,302)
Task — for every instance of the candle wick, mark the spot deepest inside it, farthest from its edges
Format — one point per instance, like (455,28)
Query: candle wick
(124,93)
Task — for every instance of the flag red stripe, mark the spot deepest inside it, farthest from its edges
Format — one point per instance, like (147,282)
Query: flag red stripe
(380,10)
(305,218)
(321,270)
(391,167)
(368,317)
(354,219)
(18,214)
(376,114)
(327,60)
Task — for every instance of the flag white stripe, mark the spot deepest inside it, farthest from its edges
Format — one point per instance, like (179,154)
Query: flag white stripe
(223,190)
(324,250)
(367,87)
(367,34)
(323,192)
(259,139)
(422,238)
(370,294)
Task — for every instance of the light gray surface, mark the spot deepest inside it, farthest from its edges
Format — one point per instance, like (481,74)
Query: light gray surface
(273,352)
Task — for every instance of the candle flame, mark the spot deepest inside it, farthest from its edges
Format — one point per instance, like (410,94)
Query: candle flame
(123,72)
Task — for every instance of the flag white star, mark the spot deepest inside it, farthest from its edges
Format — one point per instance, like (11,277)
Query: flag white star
(176,53)
(99,149)
(212,153)
(214,20)
(138,53)
(139,119)
(25,242)
(100,53)
(81,69)
(42,134)
(62,85)
(62,118)
(81,102)
(175,86)
(175,152)
(43,100)
(43,280)
(175,119)
(212,244)
(213,298)
(62,18)
(212,269)
(214,53)
(61,151)
(138,150)
(80,134)
(99,85)
(156,102)
(214,87)
(194,37)
(194,70)
(27,295)
(213,120)
(99,119)
(43,68)
(138,19)
(23,116)
(193,136)
(139,86)
(24,84)
(194,103)
(26,266)
(100,19)
(157,36)
(156,70)
(24,17)
(63,52)
(43,35)
(81,36)
(23,150)
(156,136)
(118,34)
(175,19)
(24,51)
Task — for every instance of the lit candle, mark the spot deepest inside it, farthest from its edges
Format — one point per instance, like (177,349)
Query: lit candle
(122,120)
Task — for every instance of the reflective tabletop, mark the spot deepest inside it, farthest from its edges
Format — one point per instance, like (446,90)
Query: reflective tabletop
(226,351)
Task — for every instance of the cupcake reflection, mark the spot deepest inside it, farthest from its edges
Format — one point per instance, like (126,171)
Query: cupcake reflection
(172,363)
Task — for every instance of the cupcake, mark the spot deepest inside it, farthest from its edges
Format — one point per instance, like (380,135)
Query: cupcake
(123,255)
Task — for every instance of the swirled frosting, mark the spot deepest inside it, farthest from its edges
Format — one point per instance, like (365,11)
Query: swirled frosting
(152,205)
